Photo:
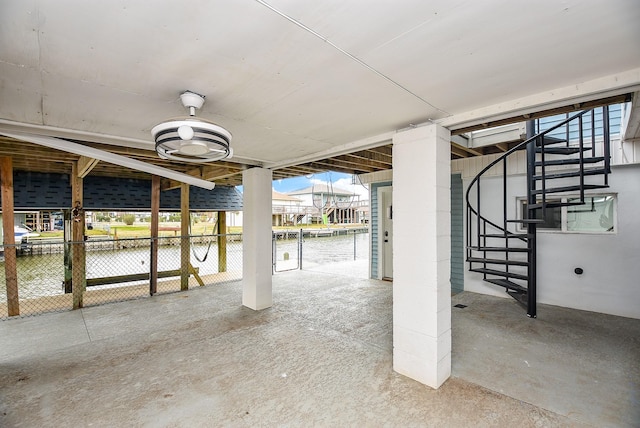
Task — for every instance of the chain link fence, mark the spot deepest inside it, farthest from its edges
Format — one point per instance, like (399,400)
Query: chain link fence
(300,249)
(115,270)
(120,269)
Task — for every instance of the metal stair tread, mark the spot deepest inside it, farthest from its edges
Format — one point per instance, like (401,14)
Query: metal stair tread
(488,271)
(497,261)
(554,205)
(508,236)
(521,298)
(526,221)
(572,161)
(568,174)
(515,250)
(508,284)
(569,188)
(562,150)
(547,140)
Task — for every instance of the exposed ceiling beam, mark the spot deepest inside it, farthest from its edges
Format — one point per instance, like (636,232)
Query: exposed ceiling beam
(474,152)
(387,150)
(358,162)
(367,155)
(340,167)
(503,146)
(459,152)
(85,165)
(91,152)
(204,172)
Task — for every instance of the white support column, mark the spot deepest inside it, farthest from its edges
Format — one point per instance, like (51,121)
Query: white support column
(421,254)
(256,238)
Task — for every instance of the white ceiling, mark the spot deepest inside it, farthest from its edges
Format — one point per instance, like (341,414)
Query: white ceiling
(292,79)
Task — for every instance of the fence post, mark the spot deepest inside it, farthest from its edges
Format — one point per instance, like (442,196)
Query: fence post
(184,238)
(273,252)
(78,255)
(354,245)
(155,209)
(300,250)
(222,241)
(10,262)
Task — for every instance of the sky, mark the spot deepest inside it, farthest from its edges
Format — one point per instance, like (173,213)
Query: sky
(337,179)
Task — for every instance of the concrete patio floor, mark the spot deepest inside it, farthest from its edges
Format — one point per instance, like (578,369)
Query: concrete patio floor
(321,356)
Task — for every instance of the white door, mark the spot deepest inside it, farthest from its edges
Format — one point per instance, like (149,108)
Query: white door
(386,232)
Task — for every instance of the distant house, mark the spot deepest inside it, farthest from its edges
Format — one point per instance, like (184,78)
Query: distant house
(286,210)
(329,204)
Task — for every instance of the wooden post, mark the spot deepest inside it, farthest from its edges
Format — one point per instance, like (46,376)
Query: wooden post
(68,251)
(155,209)
(184,241)
(78,262)
(222,241)
(10,266)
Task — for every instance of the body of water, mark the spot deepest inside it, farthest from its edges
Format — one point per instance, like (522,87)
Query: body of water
(43,274)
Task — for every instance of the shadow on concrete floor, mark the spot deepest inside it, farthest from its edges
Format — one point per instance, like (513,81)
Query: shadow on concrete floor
(321,356)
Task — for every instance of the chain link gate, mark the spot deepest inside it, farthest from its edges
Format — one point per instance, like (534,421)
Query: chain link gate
(286,252)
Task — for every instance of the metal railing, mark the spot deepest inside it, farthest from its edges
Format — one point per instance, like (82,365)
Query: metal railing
(498,237)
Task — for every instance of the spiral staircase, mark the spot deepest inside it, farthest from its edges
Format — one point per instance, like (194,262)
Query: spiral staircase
(564,162)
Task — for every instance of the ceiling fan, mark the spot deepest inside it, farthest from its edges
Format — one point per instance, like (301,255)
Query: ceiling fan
(191,139)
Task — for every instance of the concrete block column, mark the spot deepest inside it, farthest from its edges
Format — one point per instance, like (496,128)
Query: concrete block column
(421,254)
(256,238)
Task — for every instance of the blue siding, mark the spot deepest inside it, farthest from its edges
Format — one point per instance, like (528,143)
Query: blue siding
(457,245)
(615,121)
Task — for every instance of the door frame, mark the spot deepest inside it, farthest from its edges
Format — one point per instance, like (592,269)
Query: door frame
(381,227)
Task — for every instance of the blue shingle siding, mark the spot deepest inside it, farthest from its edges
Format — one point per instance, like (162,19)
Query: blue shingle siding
(221,198)
(111,193)
(53,191)
(40,191)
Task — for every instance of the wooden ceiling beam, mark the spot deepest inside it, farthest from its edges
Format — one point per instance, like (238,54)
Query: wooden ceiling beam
(359,162)
(85,165)
(338,166)
(502,146)
(372,159)
(459,152)
(386,150)
(475,152)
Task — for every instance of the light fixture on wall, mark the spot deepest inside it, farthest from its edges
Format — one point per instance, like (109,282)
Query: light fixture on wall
(191,139)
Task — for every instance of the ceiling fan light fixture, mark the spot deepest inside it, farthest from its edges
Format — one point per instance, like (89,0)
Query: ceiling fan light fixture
(191,139)
(185,132)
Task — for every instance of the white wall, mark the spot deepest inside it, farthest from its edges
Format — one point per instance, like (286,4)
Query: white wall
(611,262)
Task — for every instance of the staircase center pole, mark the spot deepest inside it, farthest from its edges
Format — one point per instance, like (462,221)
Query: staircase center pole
(531,227)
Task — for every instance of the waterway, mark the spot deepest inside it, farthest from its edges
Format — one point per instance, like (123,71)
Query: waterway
(42,275)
